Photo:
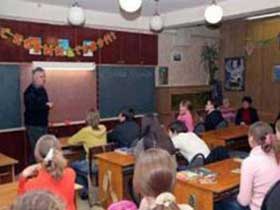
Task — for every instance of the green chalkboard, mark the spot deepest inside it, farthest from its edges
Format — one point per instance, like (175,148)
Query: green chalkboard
(10,109)
(125,87)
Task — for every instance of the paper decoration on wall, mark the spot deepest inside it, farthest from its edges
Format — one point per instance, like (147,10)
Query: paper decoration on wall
(252,45)
(86,48)
(34,43)
(64,45)
(56,47)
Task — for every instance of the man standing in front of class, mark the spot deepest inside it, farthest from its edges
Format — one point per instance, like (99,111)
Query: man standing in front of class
(37,108)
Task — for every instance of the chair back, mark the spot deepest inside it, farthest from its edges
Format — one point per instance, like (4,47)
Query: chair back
(197,160)
(182,162)
(199,128)
(217,154)
(223,124)
(271,200)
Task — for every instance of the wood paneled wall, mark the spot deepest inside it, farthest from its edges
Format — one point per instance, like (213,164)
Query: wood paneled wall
(259,65)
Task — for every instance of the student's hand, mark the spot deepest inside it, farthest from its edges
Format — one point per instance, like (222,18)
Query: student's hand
(50,105)
(31,171)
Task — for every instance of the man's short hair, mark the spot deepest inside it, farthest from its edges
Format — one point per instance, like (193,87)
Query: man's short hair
(247,99)
(37,69)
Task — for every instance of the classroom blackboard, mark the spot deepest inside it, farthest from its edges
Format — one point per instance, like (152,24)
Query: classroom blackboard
(125,87)
(10,109)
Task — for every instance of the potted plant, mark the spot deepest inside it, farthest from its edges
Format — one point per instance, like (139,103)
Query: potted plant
(209,57)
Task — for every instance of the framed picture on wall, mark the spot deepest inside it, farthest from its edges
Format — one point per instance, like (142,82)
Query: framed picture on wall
(163,75)
(235,74)
(276,73)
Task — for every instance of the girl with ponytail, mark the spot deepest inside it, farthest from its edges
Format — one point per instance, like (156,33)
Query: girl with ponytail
(154,178)
(50,173)
(259,171)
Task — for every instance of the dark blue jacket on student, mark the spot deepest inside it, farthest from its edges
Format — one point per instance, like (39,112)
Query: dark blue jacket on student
(125,133)
(36,109)
(213,119)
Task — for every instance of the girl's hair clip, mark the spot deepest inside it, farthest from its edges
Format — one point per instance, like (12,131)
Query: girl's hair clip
(49,156)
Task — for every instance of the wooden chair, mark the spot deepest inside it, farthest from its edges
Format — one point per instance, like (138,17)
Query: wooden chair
(91,157)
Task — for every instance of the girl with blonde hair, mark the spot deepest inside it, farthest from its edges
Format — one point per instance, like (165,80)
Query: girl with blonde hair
(154,178)
(38,200)
(50,173)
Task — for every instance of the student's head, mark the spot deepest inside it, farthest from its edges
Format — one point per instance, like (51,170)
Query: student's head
(184,107)
(39,77)
(38,200)
(125,116)
(226,103)
(246,102)
(260,135)
(177,127)
(93,119)
(150,123)
(210,106)
(154,174)
(48,153)
(277,128)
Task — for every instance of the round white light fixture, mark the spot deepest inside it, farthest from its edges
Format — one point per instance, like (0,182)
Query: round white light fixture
(213,13)
(156,23)
(76,15)
(130,5)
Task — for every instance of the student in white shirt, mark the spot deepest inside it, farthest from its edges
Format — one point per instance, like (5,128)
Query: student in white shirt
(188,143)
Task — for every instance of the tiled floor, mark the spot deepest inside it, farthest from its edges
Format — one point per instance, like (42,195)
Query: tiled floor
(83,205)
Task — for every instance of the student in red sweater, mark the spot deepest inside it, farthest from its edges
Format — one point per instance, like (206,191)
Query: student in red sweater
(51,173)
(246,115)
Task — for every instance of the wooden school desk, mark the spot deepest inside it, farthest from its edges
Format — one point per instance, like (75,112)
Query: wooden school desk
(7,168)
(8,193)
(71,152)
(203,196)
(232,137)
(116,163)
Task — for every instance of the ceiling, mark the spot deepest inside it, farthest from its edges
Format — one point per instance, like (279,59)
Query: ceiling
(112,6)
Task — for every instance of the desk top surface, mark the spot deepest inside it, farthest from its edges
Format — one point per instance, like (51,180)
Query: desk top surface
(117,158)
(6,160)
(64,143)
(8,193)
(226,179)
(228,133)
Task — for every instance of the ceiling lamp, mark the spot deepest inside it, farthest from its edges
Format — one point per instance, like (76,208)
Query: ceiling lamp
(213,13)
(76,15)
(130,5)
(156,21)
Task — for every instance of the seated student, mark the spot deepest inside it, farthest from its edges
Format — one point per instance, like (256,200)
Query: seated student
(259,172)
(246,115)
(185,114)
(154,179)
(126,132)
(188,143)
(227,111)
(94,134)
(153,136)
(51,173)
(38,200)
(277,129)
(213,116)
